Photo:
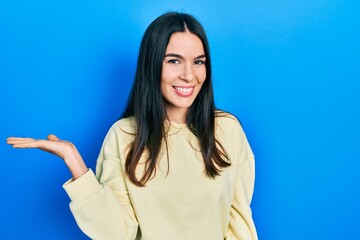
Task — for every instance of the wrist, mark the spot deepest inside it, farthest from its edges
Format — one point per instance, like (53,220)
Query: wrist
(75,163)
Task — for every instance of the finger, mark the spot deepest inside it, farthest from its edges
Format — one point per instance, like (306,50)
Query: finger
(45,145)
(41,144)
(33,144)
(17,141)
(52,137)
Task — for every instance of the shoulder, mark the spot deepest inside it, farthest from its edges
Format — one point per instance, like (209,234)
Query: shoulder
(228,126)
(122,130)
(127,125)
(227,121)
(231,135)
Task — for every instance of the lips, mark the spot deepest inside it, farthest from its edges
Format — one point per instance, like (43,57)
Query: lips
(183,91)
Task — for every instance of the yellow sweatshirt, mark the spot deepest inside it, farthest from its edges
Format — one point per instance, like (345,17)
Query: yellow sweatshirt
(179,204)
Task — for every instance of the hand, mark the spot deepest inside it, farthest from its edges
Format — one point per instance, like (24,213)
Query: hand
(64,149)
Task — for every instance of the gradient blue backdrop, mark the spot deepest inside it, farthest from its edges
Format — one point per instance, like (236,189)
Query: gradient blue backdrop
(288,69)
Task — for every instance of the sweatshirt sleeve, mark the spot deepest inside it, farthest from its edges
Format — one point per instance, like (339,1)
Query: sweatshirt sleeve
(101,205)
(241,226)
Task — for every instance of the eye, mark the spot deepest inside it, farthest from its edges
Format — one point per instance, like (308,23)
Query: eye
(199,62)
(173,61)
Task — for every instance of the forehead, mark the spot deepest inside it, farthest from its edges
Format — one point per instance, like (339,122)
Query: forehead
(185,42)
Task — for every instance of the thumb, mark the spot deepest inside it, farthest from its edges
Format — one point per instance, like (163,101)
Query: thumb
(52,137)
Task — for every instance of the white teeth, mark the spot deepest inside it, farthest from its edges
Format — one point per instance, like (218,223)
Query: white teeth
(183,90)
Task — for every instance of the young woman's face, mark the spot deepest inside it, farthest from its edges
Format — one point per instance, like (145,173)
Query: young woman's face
(183,73)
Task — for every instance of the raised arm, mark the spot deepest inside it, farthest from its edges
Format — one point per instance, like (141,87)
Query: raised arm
(101,206)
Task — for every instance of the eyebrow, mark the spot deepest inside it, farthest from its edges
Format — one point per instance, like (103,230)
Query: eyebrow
(181,57)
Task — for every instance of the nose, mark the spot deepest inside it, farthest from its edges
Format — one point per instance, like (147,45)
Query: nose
(187,73)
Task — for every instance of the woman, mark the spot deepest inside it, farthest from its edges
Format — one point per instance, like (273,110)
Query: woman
(172,167)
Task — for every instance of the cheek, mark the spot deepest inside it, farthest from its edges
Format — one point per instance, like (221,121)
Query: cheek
(166,84)
(167,76)
(202,77)
(164,87)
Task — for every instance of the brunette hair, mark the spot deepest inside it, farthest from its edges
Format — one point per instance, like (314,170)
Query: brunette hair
(146,103)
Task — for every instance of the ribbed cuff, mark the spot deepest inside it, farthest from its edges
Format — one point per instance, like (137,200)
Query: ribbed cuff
(83,187)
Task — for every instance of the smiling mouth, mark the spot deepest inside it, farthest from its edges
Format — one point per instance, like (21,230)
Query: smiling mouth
(184,91)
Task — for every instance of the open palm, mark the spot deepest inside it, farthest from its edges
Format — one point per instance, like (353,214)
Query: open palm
(64,149)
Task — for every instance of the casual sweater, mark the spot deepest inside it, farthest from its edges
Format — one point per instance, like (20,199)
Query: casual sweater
(180,202)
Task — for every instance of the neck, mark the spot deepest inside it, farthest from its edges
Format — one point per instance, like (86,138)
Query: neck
(177,116)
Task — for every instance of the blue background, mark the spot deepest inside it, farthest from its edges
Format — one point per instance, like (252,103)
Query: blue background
(289,70)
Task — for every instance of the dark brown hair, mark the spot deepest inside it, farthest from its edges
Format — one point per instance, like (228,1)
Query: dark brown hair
(146,102)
